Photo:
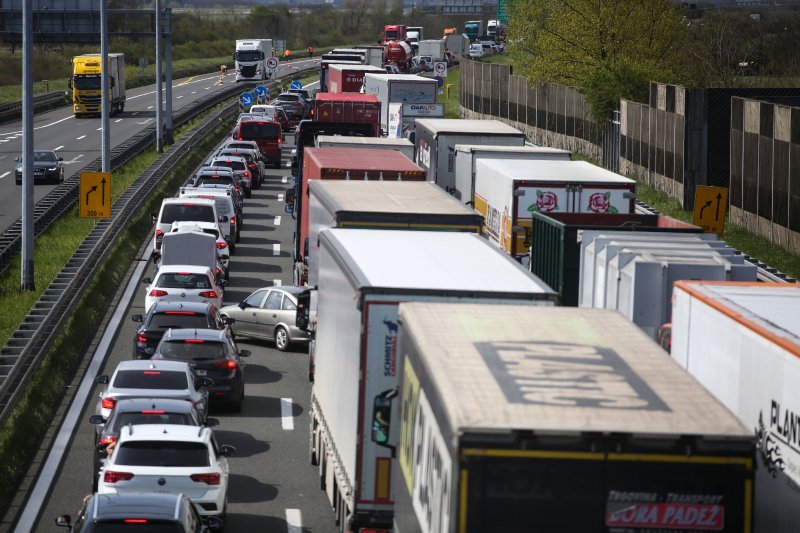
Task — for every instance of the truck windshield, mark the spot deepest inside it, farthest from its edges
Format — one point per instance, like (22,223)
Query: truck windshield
(391,34)
(83,82)
(248,55)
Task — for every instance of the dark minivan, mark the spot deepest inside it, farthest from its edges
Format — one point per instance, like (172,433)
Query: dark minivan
(266,134)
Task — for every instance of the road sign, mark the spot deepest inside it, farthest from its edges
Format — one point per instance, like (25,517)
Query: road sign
(272,63)
(246,100)
(439,81)
(296,84)
(711,208)
(440,69)
(260,91)
(95,195)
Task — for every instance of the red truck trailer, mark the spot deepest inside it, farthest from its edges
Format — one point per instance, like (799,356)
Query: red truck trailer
(352,108)
(343,78)
(342,164)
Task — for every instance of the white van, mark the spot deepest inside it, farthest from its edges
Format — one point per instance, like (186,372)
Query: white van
(184,210)
(225,209)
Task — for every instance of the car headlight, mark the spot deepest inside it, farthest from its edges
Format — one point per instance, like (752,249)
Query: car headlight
(52,169)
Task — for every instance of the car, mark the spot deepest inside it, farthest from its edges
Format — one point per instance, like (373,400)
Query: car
(295,106)
(391,68)
(180,210)
(475,51)
(254,162)
(413,66)
(209,176)
(153,379)
(275,114)
(170,314)
(487,48)
(47,167)
(138,513)
(226,208)
(240,169)
(223,250)
(252,115)
(211,353)
(426,63)
(305,93)
(268,313)
(170,459)
(137,411)
(185,283)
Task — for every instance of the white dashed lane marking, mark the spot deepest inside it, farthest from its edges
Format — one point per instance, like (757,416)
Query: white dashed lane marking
(276,249)
(287,421)
(81,137)
(58,148)
(4,174)
(294,521)
(278,221)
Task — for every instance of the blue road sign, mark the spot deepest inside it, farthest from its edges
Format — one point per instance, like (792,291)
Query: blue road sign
(296,84)
(246,99)
(439,81)
(261,91)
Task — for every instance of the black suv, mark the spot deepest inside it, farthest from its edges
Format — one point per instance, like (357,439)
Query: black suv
(295,106)
(140,513)
(164,315)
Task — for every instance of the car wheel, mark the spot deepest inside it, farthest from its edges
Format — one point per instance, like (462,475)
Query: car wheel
(238,233)
(233,246)
(281,338)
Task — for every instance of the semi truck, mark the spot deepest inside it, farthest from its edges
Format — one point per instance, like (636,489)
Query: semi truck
(473,29)
(86,80)
(381,205)
(394,32)
(324,68)
(414,36)
(398,53)
(518,419)
(340,164)
(457,44)
(742,342)
(250,59)
(435,141)
(466,155)
(349,78)
(403,146)
(508,192)
(391,88)
(364,274)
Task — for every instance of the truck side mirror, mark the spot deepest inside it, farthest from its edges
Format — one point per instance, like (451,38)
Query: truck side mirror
(291,195)
(69,86)
(382,418)
(302,316)
(289,208)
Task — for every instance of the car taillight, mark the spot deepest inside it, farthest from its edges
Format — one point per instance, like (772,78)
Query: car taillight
(312,112)
(141,338)
(159,234)
(251,165)
(233,221)
(107,440)
(112,477)
(208,479)
(208,294)
(246,174)
(221,245)
(135,521)
(156,293)
(217,271)
(229,364)
(108,403)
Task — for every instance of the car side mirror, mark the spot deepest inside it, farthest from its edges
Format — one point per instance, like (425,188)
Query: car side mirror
(147,280)
(102,380)
(64,520)
(97,420)
(227,450)
(242,305)
(244,353)
(206,382)
(137,318)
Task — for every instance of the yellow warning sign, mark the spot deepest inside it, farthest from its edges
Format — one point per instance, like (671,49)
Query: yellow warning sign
(711,208)
(95,195)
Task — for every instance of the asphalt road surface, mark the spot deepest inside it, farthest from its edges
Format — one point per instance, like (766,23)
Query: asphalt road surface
(273,487)
(78,140)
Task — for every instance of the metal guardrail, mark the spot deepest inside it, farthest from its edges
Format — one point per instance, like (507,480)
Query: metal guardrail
(42,102)
(764,273)
(39,329)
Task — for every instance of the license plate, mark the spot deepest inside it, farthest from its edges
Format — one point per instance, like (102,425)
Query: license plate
(201,372)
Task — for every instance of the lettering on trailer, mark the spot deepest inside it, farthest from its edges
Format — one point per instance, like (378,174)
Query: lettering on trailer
(494,222)
(779,443)
(424,154)
(408,412)
(432,472)
(390,348)
(568,375)
(669,516)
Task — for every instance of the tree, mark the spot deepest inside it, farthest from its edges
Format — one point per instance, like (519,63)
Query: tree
(604,47)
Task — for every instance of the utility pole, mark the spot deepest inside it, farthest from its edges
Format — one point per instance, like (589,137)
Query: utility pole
(27,282)
(106,132)
(168,17)
(159,131)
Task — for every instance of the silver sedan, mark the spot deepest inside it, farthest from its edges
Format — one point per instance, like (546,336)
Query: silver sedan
(268,313)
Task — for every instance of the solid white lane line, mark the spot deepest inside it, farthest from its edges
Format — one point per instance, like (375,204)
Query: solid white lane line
(276,249)
(118,120)
(4,174)
(294,521)
(277,220)
(81,137)
(276,282)
(41,490)
(287,420)
(58,148)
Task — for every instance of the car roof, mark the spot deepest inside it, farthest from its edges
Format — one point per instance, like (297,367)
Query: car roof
(194,333)
(140,505)
(164,432)
(291,289)
(192,269)
(171,405)
(147,364)
(162,306)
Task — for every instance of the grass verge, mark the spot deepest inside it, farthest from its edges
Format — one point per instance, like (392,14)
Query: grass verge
(30,418)
(452,86)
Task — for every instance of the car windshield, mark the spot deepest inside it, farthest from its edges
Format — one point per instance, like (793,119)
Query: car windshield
(186,212)
(259,130)
(182,280)
(162,453)
(151,379)
(235,165)
(151,416)
(194,350)
(45,156)
(178,320)
(289,97)
(118,525)
(84,82)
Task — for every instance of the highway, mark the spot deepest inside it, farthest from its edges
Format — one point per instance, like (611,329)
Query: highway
(78,140)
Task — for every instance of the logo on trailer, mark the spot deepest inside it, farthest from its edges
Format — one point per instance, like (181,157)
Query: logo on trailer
(390,348)
(600,202)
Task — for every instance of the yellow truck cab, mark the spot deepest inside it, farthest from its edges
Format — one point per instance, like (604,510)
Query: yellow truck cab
(85,84)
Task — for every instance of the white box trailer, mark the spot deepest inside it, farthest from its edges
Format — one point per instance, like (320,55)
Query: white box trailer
(525,419)
(467,154)
(457,44)
(436,138)
(508,192)
(404,146)
(393,88)
(741,341)
(432,47)
(364,274)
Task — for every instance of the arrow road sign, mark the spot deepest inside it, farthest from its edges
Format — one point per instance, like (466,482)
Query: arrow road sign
(94,205)
(712,219)
(296,84)
(246,99)
(261,91)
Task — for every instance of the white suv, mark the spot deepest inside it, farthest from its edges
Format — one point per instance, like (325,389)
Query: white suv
(169,459)
(183,210)
(188,283)
(225,209)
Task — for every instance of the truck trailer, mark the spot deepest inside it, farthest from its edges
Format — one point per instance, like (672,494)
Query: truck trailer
(363,277)
(436,139)
(432,47)
(250,59)
(467,154)
(392,88)
(396,205)
(349,78)
(519,419)
(341,164)
(404,146)
(507,193)
(742,342)
(85,84)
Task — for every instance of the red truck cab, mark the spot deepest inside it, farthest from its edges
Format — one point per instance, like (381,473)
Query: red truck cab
(267,134)
(394,32)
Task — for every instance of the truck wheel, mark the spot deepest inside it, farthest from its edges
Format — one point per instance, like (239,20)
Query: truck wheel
(312,441)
